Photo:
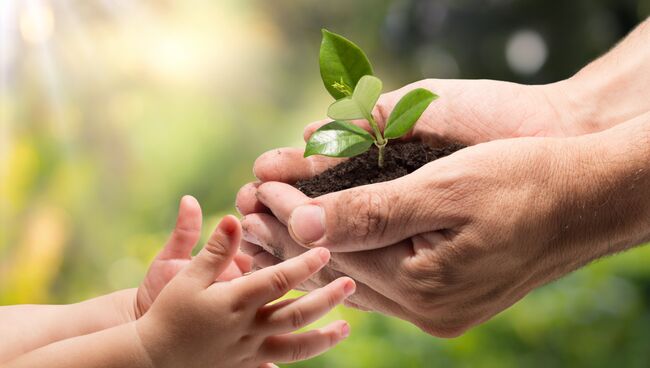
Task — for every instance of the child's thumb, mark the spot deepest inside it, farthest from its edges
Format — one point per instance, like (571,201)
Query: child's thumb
(218,252)
(186,232)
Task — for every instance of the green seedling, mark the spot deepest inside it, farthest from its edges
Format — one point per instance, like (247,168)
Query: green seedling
(348,77)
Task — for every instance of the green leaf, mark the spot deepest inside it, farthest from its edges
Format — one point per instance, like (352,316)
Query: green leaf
(338,139)
(407,112)
(341,61)
(360,104)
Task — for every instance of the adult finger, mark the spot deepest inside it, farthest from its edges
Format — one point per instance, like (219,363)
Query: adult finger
(364,266)
(288,165)
(282,198)
(186,232)
(296,347)
(259,256)
(218,252)
(367,217)
(306,309)
(246,201)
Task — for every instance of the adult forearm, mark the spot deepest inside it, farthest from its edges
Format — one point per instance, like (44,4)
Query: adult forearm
(613,88)
(625,174)
(607,201)
(24,328)
(114,347)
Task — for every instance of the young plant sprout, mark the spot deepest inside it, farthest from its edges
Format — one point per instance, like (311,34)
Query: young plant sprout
(348,77)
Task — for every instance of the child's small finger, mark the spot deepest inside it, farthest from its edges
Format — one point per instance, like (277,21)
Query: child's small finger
(218,252)
(307,309)
(295,347)
(270,283)
(244,262)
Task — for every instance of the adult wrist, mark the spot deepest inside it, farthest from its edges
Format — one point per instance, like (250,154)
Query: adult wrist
(613,88)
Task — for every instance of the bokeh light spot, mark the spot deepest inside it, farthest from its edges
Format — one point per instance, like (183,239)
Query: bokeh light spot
(526,52)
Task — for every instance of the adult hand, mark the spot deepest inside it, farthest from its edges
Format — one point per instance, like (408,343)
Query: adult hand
(469,111)
(466,236)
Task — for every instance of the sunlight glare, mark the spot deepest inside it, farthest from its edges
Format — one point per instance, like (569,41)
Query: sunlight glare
(36,22)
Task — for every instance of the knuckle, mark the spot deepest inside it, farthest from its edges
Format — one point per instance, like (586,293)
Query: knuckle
(297,319)
(299,352)
(332,339)
(280,281)
(312,264)
(185,234)
(333,299)
(368,211)
(426,290)
(216,248)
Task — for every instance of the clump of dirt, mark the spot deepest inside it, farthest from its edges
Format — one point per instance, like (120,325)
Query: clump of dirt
(400,158)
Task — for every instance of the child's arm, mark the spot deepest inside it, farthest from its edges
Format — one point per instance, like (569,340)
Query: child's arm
(114,347)
(197,322)
(24,328)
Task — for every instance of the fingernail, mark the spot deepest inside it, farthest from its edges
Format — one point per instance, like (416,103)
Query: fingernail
(186,199)
(247,233)
(345,330)
(250,237)
(349,288)
(307,223)
(324,255)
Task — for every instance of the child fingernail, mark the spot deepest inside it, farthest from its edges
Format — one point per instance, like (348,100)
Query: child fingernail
(345,330)
(324,254)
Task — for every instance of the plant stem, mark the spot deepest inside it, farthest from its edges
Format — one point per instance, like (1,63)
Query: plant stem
(380,141)
(380,159)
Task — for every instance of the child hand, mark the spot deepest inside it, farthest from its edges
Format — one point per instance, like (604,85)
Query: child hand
(177,253)
(197,322)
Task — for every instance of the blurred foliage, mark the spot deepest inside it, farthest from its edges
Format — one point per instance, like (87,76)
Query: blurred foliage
(112,109)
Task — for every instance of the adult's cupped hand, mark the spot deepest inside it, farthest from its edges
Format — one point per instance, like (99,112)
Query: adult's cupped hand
(453,243)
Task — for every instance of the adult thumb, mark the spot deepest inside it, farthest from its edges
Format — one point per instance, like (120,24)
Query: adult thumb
(361,218)
(218,252)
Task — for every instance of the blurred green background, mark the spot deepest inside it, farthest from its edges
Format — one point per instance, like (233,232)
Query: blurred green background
(111,110)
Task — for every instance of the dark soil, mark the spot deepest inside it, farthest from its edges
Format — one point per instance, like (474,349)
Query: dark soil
(400,158)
